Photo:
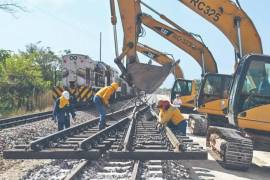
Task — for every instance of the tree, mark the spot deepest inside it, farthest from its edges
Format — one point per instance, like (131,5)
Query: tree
(25,75)
(45,57)
(67,51)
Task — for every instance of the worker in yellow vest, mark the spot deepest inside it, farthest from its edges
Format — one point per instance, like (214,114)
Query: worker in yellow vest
(171,116)
(62,110)
(101,100)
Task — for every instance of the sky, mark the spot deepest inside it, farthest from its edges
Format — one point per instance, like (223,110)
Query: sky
(76,25)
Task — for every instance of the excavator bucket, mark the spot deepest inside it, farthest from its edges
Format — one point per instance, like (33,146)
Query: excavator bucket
(148,77)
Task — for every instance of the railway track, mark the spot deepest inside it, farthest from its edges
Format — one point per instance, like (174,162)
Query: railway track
(143,141)
(143,153)
(19,120)
(130,148)
(83,141)
(130,169)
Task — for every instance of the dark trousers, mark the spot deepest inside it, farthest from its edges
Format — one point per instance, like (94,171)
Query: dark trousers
(101,109)
(64,123)
(182,127)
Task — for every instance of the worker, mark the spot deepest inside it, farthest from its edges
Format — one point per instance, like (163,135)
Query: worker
(62,110)
(177,101)
(171,116)
(101,99)
(264,86)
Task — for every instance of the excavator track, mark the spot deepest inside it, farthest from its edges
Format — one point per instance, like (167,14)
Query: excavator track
(234,150)
(198,124)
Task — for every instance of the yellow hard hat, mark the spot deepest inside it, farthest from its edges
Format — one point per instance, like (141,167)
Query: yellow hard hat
(115,85)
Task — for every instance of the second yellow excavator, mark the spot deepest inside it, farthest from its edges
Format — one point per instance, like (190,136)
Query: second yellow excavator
(188,42)
(161,58)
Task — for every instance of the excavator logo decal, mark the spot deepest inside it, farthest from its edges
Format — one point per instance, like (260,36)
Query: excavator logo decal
(164,31)
(206,9)
(150,55)
(177,37)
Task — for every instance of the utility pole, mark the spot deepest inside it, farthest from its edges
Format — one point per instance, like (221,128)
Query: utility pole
(100,45)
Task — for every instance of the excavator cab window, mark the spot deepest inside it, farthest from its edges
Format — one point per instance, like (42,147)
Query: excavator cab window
(181,87)
(214,87)
(256,87)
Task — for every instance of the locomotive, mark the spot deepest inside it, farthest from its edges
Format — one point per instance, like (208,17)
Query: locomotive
(83,76)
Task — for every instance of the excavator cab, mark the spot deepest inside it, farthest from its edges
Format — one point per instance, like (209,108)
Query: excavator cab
(249,102)
(213,94)
(186,89)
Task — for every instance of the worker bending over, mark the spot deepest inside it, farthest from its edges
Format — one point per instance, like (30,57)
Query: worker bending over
(171,116)
(101,99)
(62,109)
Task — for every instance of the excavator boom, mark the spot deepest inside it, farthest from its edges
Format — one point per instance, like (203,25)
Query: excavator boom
(232,21)
(184,41)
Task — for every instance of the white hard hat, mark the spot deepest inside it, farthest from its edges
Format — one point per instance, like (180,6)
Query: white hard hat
(65,94)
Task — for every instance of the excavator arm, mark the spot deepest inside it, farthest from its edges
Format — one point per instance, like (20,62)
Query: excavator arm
(160,58)
(232,21)
(143,77)
(184,41)
(129,10)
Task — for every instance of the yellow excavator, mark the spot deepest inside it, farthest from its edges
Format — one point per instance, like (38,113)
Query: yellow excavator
(248,108)
(211,103)
(190,44)
(241,32)
(187,89)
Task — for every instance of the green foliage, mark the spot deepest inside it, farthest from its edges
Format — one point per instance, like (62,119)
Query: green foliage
(45,58)
(25,75)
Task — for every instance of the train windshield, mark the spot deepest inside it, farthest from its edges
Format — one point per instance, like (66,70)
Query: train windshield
(256,88)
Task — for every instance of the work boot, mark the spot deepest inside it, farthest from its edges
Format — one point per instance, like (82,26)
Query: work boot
(103,126)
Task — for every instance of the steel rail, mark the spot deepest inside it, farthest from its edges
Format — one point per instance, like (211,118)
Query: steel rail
(84,145)
(136,171)
(19,120)
(76,171)
(45,141)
